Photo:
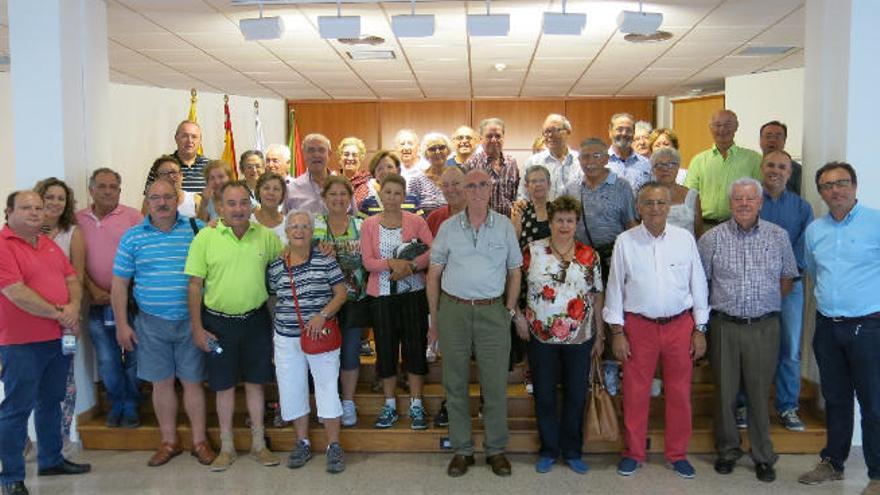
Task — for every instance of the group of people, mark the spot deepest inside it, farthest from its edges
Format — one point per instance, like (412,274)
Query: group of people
(451,246)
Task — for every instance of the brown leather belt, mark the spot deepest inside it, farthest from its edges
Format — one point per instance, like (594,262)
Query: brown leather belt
(662,320)
(473,302)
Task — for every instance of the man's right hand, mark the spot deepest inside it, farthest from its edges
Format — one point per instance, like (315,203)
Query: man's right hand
(125,336)
(620,347)
(69,316)
(201,337)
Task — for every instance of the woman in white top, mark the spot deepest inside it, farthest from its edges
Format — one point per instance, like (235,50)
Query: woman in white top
(685,211)
(59,224)
(270,192)
(167,167)
(251,167)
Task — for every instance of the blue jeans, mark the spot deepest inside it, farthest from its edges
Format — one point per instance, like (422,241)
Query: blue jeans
(117,370)
(34,379)
(788,371)
(848,354)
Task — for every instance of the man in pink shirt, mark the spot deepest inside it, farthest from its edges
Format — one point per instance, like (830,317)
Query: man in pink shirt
(103,224)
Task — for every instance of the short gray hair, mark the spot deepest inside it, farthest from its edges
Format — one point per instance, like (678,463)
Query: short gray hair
(316,137)
(537,168)
(293,213)
(643,125)
(650,185)
(619,116)
(281,149)
(104,170)
(669,153)
(491,121)
(411,132)
(434,136)
(566,124)
(745,181)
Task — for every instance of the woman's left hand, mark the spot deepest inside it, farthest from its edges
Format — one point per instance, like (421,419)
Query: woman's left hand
(315,326)
(598,347)
(400,269)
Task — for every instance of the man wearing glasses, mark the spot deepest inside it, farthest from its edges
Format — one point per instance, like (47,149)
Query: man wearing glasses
(623,161)
(560,160)
(713,170)
(843,255)
(188,138)
(501,167)
(464,140)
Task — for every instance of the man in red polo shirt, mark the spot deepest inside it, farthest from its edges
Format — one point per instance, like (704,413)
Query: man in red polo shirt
(39,294)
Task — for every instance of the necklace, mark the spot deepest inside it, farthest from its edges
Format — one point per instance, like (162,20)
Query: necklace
(562,255)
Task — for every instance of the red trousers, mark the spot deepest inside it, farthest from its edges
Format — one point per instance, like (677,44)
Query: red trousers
(650,342)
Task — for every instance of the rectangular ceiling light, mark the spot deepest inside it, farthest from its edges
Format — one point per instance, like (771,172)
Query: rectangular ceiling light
(765,50)
(371,54)
(262,28)
(488,24)
(342,26)
(561,23)
(413,26)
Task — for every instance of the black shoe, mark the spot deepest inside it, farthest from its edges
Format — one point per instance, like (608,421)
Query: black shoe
(113,418)
(15,488)
(441,420)
(724,466)
(65,467)
(130,421)
(765,472)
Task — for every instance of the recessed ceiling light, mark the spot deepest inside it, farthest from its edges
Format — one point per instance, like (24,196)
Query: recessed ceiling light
(500,67)
(371,54)
(757,51)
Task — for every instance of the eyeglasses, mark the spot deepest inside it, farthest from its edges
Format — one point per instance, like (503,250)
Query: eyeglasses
(473,186)
(169,173)
(559,277)
(666,165)
(827,186)
(601,155)
(493,137)
(653,202)
(163,197)
(462,137)
(436,148)
(550,131)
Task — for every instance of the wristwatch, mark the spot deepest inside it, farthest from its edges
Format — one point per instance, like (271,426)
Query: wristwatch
(324,314)
(512,313)
(701,328)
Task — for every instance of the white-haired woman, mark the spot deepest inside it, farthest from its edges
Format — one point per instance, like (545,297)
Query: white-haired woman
(425,186)
(308,288)
(685,211)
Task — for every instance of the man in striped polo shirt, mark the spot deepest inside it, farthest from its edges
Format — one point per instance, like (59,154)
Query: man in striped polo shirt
(153,253)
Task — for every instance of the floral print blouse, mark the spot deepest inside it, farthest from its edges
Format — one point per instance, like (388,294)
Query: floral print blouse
(559,297)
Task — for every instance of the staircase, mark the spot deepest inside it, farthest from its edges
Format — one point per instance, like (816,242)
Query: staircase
(400,438)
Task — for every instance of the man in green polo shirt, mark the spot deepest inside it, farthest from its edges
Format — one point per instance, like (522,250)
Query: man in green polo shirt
(229,263)
(713,170)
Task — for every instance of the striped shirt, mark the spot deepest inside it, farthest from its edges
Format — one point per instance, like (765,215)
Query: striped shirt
(156,259)
(314,289)
(193,176)
(428,195)
(505,182)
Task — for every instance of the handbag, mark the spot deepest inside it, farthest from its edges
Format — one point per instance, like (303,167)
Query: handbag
(330,338)
(602,422)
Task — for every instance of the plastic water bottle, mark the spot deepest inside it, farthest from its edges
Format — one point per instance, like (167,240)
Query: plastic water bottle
(68,342)
(610,368)
(214,346)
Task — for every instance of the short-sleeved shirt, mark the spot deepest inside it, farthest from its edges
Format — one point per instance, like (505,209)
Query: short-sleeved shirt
(43,269)
(504,182)
(436,218)
(348,254)
(744,267)
(193,175)
(155,259)
(304,194)
(476,261)
(314,289)
(608,210)
(102,237)
(428,195)
(372,204)
(562,172)
(793,214)
(711,174)
(635,169)
(233,269)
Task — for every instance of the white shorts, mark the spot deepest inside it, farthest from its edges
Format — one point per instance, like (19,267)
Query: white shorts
(292,366)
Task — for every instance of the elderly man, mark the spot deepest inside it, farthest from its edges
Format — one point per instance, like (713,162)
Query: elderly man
(642,138)
(750,266)
(452,184)
(464,140)
(39,295)
(406,145)
(843,255)
(304,192)
(656,258)
(607,201)
(475,263)
(153,254)
(713,170)
(500,167)
(558,158)
(188,138)
(772,137)
(278,161)
(623,160)
(227,304)
(103,223)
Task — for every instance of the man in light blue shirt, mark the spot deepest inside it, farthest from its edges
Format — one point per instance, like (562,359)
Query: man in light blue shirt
(622,159)
(843,254)
(560,160)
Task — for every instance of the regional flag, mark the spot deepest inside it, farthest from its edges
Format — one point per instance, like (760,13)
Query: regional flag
(228,155)
(294,142)
(193,98)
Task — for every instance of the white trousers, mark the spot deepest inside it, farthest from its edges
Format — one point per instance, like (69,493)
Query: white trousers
(292,366)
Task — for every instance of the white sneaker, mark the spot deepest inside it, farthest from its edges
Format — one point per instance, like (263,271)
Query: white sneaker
(349,413)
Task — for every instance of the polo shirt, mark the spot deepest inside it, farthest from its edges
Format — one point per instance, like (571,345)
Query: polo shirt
(102,237)
(606,211)
(233,269)
(793,214)
(476,261)
(562,172)
(44,269)
(844,259)
(156,259)
(711,174)
(635,169)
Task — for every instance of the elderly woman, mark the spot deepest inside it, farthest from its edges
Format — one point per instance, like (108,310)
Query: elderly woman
(666,138)
(685,211)
(167,167)
(384,162)
(400,308)
(308,288)
(406,145)
(561,317)
(532,223)
(425,186)
(252,167)
(351,153)
(338,234)
(217,173)
(270,191)
(642,138)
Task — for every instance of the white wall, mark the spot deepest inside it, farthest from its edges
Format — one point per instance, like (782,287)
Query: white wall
(760,98)
(7,157)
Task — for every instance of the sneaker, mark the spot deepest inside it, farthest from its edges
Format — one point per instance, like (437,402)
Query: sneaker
(335,462)
(418,418)
(441,420)
(544,464)
(873,488)
(366,350)
(823,472)
(741,417)
(684,469)
(223,461)
(349,413)
(577,465)
(791,421)
(387,417)
(300,455)
(265,457)
(627,466)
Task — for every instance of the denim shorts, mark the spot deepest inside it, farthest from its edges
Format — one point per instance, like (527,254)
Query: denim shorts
(165,349)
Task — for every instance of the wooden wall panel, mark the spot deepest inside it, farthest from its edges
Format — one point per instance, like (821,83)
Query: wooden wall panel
(422,116)
(690,119)
(590,118)
(522,118)
(339,120)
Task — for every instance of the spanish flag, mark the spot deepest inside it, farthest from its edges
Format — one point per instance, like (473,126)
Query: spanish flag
(193,98)
(294,142)
(228,155)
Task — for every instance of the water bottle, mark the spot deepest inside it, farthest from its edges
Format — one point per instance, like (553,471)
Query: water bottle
(109,320)
(610,369)
(68,342)
(214,346)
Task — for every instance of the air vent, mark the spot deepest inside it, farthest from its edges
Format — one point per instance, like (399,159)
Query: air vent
(371,54)
(363,40)
(760,51)
(654,37)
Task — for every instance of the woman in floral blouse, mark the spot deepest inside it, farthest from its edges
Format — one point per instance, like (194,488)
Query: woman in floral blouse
(563,308)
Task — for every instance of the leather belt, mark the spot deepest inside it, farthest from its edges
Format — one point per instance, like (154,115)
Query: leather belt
(847,319)
(473,302)
(746,321)
(242,316)
(663,320)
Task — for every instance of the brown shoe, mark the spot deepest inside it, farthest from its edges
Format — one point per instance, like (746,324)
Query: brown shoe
(873,488)
(204,453)
(499,464)
(459,465)
(166,452)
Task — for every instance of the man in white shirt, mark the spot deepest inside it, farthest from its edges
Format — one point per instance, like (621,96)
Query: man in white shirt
(560,160)
(656,303)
